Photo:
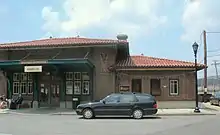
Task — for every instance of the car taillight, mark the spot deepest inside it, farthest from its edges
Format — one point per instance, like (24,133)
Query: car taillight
(155,106)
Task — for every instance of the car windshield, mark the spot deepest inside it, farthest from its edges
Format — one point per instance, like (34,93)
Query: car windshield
(217,94)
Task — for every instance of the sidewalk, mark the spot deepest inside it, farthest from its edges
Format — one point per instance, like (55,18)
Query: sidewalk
(183,112)
(211,107)
(4,111)
(206,109)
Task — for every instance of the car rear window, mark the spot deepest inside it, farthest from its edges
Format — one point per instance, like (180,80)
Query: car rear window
(143,98)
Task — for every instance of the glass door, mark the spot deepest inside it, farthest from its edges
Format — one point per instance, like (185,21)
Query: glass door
(54,94)
(44,95)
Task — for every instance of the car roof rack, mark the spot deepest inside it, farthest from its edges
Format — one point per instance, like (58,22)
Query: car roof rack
(129,92)
(125,92)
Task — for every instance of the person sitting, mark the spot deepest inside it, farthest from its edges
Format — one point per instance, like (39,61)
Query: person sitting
(19,101)
(3,102)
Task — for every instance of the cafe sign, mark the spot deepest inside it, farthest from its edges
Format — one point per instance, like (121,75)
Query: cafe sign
(124,88)
(29,69)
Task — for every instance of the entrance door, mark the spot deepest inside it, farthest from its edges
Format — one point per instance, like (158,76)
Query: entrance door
(49,90)
(136,85)
(54,94)
(155,88)
(49,96)
(44,95)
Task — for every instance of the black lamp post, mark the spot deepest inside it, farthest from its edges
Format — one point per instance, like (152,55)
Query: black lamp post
(195,49)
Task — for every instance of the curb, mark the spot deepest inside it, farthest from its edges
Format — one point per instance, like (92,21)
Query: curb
(4,112)
(213,109)
(181,114)
(20,113)
(17,113)
(61,114)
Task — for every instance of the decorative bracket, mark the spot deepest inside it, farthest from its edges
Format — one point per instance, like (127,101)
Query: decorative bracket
(57,54)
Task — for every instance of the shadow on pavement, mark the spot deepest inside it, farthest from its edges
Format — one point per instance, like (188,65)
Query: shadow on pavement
(151,117)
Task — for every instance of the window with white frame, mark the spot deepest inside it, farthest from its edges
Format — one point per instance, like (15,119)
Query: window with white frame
(23,87)
(30,87)
(77,76)
(85,76)
(85,87)
(69,75)
(77,83)
(174,87)
(16,88)
(29,84)
(22,83)
(69,87)
(77,87)
(16,77)
(69,83)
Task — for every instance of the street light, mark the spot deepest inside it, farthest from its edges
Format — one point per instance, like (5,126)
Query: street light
(195,47)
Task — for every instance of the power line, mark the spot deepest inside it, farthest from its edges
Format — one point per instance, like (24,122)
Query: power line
(215,50)
(213,32)
(214,55)
(210,57)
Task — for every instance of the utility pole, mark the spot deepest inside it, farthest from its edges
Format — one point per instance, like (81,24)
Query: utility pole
(205,62)
(216,72)
(216,68)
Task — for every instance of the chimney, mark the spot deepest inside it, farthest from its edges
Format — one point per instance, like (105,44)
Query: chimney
(122,37)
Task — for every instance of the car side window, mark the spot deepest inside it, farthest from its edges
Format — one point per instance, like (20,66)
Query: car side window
(112,99)
(127,98)
(142,98)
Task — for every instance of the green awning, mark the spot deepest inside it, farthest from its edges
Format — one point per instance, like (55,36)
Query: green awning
(70,61)
(9,62)
(6,63)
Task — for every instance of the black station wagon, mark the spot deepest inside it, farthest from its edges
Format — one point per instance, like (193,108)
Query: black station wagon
(135,105)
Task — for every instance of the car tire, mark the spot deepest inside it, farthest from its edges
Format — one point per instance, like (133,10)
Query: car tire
(138,114)
(88,113)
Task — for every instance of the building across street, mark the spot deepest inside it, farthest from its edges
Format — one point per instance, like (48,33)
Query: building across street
(61,72)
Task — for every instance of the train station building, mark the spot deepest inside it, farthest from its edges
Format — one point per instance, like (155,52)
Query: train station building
(56,72)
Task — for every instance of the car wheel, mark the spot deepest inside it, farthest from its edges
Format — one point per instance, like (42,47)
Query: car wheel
(138,114)
(88,114)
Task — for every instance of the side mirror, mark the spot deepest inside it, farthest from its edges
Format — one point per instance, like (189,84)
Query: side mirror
(103,101)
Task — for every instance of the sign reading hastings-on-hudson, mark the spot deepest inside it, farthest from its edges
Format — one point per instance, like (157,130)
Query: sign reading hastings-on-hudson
(33,69)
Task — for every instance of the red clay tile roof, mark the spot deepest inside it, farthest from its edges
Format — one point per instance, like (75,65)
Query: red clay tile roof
(152,62)
(61,41)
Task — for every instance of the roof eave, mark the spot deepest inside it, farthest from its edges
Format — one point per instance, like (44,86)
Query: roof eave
(187,68)
(61,46)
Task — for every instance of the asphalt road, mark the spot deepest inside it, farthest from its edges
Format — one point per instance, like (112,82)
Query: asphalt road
(15,124)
